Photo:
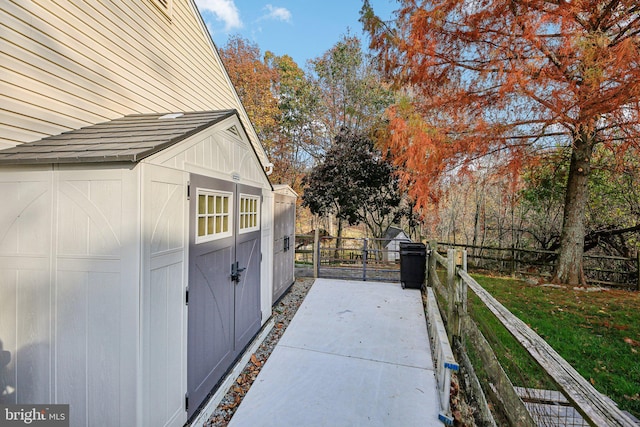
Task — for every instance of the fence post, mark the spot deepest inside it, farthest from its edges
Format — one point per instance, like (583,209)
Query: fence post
(462,291)
(452,323)
(456,293)
(365,254)
(316,253)
(431,266)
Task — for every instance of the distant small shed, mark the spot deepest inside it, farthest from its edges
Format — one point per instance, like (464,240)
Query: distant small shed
(131,264)
(391,243)
(284,223)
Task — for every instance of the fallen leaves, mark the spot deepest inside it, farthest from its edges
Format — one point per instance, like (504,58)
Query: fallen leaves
(255,361)
(283,313)
(460,409)
(635,397)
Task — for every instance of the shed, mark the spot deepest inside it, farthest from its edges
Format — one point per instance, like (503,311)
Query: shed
(391,243)
(283,239)
(134,264)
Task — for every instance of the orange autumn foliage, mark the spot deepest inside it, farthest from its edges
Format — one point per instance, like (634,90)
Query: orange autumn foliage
(512,78)
(497,75)
(253,80)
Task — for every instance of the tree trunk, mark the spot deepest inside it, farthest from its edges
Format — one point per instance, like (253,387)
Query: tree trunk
(569,269)
(338,240)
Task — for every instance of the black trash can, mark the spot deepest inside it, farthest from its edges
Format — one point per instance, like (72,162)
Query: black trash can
(413,262)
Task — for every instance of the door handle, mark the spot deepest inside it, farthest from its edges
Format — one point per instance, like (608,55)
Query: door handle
(235,271)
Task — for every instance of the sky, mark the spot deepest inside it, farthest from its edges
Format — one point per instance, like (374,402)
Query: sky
(302,29)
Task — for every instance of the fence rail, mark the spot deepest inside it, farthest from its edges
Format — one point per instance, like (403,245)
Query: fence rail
(347,258)
(613,271)
(443,355)
(596,409)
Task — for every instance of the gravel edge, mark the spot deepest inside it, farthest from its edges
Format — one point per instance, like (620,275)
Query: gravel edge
(283,312)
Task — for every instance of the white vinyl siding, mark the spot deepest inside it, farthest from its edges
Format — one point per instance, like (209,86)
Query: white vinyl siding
(68,257)
(67,65)
(165,6)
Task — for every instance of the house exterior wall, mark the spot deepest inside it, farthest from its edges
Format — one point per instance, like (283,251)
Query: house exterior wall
(93,261)
(69,266)
(74,63)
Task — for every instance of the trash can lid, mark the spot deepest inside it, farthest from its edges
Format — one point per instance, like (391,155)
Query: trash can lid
(412,245)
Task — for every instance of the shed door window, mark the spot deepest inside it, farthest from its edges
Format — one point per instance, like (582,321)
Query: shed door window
(214,215)
(249,213)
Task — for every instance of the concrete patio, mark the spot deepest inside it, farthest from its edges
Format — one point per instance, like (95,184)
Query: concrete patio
(355,354)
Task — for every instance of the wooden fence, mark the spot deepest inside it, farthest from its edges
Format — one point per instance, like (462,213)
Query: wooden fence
(610,271)
(593,408)
(347,258)
(445,363)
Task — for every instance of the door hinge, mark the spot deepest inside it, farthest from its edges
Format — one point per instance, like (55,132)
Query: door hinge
(186,402)
(186,297)
(188,190)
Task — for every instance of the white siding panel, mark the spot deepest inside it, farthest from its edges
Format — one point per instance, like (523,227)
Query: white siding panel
(24,218)
(40,37)
(126,53)
(25,293)
(163,394)
(20,122)
(33,336)
(63,74)
(217,153)
(163,292)
(13,135)
(266,270)
(8,320)
(166,217)
(96,295)
(68,290)
(71,343)
(47,108)
(66,94)
(104,346)
(89,345)
(91,212)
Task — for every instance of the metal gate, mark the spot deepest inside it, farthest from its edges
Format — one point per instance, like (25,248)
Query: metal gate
(359,259)
(224,280)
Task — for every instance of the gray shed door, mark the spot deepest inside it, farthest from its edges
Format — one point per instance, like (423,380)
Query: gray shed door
(224,280)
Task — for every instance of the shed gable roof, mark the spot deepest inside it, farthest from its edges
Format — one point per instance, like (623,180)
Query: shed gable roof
(392,234)
(127,139)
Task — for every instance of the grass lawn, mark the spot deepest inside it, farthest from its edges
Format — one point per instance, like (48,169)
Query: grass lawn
(598,333)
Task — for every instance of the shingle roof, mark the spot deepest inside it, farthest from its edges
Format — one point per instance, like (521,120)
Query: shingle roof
(391,234)
(127,139)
